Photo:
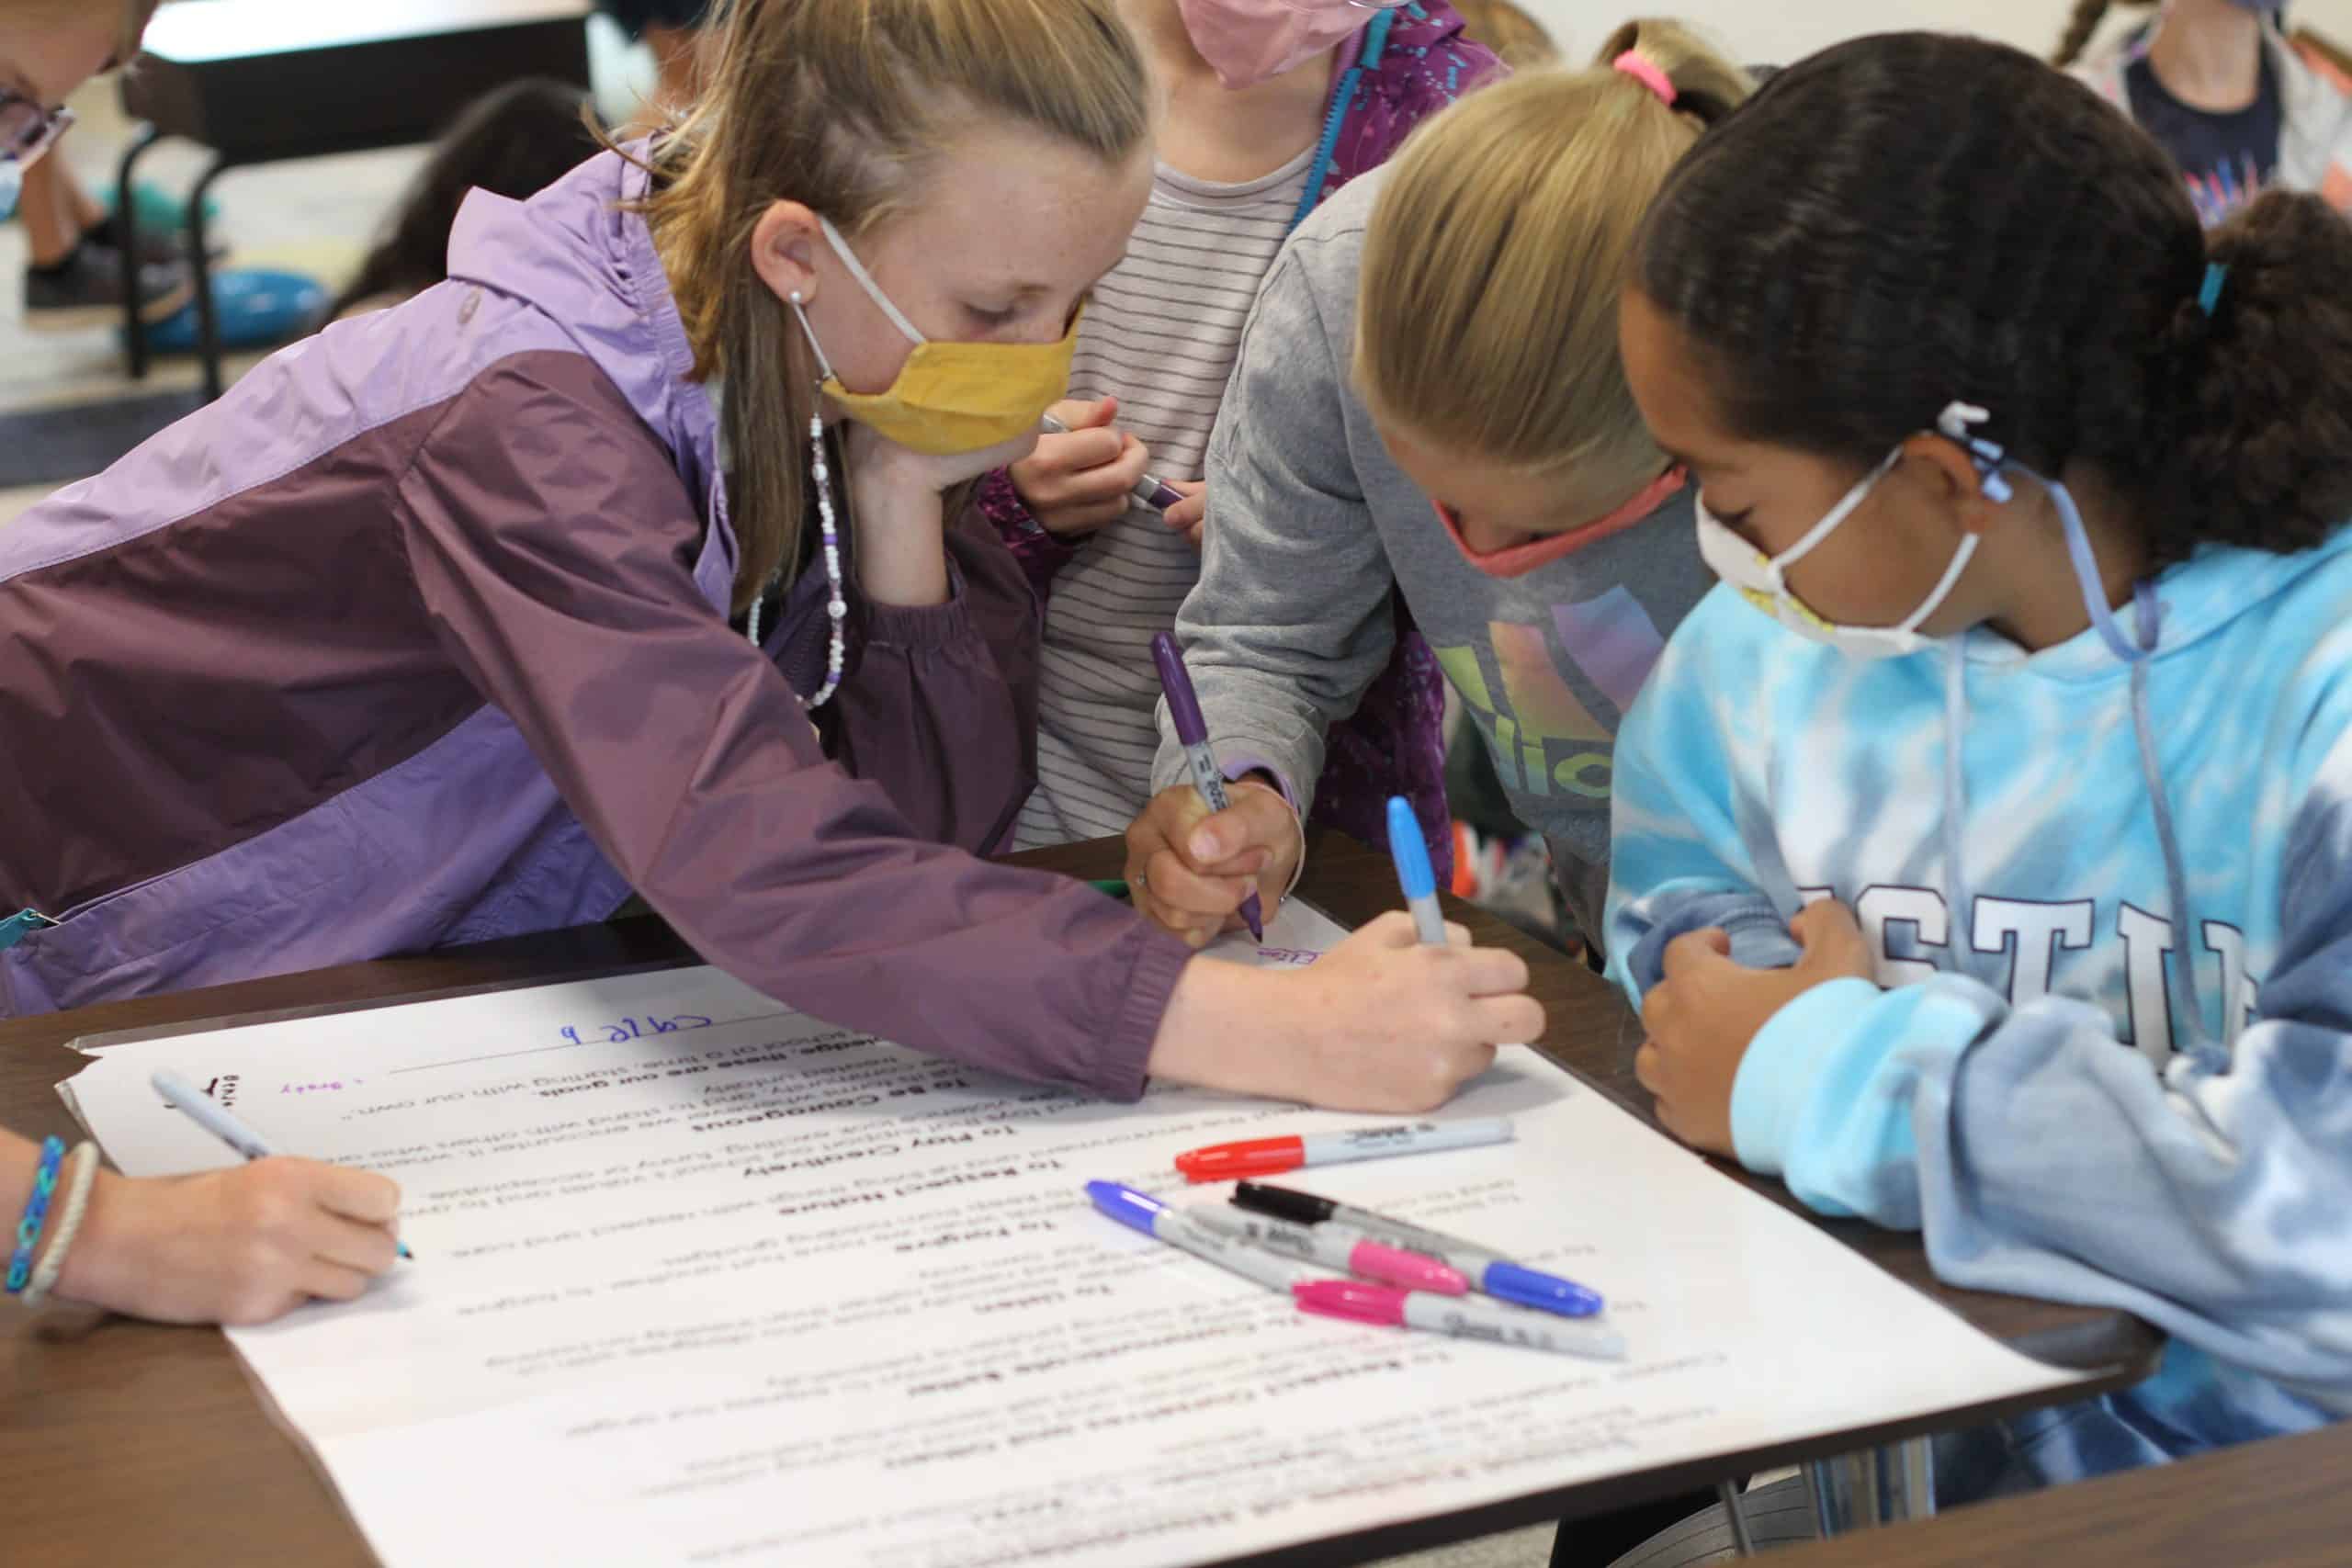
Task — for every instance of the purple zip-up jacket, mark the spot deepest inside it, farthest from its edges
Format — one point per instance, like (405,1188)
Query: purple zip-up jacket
(419,637)
(1386,79)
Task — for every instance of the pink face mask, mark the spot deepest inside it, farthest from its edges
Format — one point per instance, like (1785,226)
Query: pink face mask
(1249,41)
(1518,560)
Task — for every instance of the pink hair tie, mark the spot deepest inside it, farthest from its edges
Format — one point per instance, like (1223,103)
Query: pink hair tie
(1646,73)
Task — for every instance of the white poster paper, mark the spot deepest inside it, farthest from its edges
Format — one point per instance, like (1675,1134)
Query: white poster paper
(699,1280)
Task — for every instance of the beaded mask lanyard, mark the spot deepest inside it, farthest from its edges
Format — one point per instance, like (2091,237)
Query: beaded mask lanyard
(836,607)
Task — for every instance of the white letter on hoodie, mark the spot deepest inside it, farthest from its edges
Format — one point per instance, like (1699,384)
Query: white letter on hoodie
(2040,930)
(1921,908)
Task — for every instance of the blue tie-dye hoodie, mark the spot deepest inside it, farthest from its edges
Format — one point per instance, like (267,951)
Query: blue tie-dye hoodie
(2035,1079)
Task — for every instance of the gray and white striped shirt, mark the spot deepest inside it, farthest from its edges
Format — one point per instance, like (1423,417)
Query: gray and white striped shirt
(1161,337)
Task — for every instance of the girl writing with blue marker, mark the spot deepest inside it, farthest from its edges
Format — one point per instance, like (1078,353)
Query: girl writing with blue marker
(1996,879)
(623,560)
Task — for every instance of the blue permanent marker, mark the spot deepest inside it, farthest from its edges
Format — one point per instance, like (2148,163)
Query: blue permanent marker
(1412,858)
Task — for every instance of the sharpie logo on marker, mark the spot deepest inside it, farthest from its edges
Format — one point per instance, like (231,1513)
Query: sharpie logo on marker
(1463,1326)
(1376,1137)
(1276,1238)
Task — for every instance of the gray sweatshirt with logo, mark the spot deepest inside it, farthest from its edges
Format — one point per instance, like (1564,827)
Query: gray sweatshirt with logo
(1311,525)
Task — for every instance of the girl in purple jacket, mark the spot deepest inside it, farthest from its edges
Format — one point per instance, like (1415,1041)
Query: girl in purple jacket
(571,577)
(236,1245)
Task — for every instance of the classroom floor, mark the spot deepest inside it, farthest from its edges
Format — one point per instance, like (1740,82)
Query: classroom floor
(314,217)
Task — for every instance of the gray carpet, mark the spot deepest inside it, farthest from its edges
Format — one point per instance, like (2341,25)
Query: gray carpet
(58,446)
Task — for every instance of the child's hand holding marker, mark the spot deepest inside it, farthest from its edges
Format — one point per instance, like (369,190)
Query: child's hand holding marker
(1190,516)
(1191,733)
(1404,1013)
(1381,1023)
(1192,867)
(1224,850)
(235,1246)
(1084,474)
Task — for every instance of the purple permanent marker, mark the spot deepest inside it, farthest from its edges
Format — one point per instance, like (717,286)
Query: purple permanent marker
(1155,493)
(1193,733)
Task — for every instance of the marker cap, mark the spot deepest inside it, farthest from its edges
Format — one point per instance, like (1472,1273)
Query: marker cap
(1130,1208)
(1282,1204)
(1259,1156)
(1357,1304)
(1532,1287)
(1412,856)
(1408,1270)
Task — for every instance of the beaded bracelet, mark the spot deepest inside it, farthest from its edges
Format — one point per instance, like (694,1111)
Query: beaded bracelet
(69,1224)
(20,1266)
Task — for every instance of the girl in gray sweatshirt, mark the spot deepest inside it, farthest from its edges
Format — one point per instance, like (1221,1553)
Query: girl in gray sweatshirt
(1428,401)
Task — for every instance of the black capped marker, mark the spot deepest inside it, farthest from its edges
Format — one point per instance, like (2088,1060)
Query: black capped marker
(1487,1272)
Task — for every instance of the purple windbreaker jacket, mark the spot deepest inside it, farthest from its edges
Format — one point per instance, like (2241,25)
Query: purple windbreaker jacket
(419,636)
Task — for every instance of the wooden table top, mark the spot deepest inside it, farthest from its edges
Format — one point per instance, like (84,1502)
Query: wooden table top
(128,1442)
(2277,1504)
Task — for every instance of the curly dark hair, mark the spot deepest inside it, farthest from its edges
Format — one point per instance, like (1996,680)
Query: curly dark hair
(1914,218)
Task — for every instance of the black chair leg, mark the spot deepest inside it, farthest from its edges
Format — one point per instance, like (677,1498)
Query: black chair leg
(208,320)
(127,225)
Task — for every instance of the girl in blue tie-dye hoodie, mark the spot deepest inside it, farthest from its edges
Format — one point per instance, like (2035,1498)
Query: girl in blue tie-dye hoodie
(1996,880)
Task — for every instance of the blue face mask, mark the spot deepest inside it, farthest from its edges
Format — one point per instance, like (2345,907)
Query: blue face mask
(12,181)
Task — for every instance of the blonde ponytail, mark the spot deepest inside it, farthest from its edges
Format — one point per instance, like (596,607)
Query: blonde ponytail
(1488,315)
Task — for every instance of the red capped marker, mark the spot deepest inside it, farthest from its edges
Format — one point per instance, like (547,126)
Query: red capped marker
(1271,1157)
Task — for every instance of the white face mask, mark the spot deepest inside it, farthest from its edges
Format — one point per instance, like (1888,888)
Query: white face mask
(1762,580)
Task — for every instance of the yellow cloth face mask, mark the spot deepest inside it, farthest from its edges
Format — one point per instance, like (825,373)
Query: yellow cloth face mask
(948,396)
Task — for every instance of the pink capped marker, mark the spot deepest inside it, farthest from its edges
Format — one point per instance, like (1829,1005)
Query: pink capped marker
(1335,1246)
(1498,1325)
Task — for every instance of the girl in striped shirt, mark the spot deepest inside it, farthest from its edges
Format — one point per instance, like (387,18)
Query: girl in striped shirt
(1271,106)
